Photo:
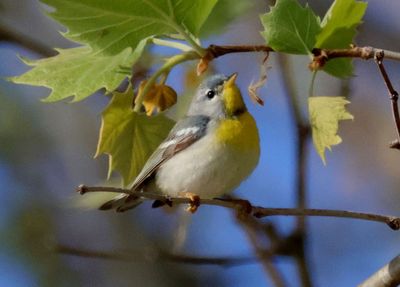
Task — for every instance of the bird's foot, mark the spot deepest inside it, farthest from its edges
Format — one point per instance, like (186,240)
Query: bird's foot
(194,201)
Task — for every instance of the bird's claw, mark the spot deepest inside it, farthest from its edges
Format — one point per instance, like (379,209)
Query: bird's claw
(194,201)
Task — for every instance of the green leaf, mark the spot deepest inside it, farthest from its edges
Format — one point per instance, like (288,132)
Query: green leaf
(340,23)
(338,31)
(78,72)
(325,114)
(224,12)
(290,28)
(129,138)
(111,26)
(340,68)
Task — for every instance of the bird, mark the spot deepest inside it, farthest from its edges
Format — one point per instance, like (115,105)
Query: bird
(208,152)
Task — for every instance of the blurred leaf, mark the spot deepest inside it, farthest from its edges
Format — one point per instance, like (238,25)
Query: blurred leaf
(129,138)
(224,12)
(159,98)
(111,26)
(290,28)
(78,72)
(17,115)
(338,31)
(190,82)
(325,114)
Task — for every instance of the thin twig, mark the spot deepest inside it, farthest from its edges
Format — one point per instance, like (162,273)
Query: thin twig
(153,255)
(321,56)
(257,211)
(394,96)
(387,276)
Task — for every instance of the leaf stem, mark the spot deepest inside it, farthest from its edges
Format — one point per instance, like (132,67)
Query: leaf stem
(312,82)
(168,65)
(199,50)
(172,44)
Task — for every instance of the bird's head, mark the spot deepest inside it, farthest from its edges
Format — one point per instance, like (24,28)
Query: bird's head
(218,97)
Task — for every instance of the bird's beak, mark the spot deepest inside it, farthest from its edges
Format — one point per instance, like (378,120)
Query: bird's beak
(231,81)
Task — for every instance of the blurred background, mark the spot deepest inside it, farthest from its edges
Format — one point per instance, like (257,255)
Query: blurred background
(46,151)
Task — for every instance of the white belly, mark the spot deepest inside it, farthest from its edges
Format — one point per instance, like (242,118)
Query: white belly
(206,168)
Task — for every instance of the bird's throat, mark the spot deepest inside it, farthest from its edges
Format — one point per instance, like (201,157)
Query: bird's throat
(239,133)
(233,101)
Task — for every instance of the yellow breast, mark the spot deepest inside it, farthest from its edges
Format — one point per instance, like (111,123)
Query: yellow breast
(239,132)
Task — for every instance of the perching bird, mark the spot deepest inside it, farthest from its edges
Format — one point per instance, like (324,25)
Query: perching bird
(207,154)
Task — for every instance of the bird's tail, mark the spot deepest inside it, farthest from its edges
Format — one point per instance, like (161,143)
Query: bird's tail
(122,202)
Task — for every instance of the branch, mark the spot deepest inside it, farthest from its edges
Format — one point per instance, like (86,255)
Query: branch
(387,276)
(321,56)
(152,255)
(394,96)
(257,211)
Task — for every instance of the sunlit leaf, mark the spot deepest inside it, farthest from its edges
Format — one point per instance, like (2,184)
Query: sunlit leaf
(338,31)
(111,26)
(290,28)
(325,114)
(78,72)
(129,138)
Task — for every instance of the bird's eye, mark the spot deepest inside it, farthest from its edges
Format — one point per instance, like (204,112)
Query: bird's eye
(210,94)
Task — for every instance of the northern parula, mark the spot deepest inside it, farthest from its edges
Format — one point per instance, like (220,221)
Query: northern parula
(208,153)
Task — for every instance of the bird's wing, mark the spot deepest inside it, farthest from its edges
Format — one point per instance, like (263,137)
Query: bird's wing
(186,131)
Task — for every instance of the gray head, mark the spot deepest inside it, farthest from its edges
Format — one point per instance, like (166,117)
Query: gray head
(208,99)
